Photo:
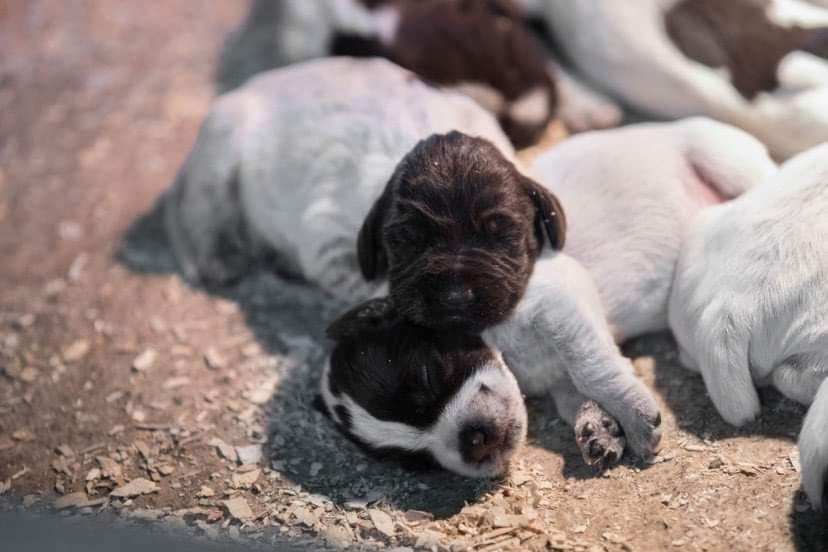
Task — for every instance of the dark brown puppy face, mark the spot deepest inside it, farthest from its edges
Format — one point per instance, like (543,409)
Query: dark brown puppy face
(457,231)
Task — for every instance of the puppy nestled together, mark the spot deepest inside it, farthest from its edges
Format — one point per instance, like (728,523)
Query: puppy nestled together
(389,180)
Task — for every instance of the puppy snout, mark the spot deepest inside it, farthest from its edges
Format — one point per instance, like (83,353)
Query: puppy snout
(479,441)
(456,296)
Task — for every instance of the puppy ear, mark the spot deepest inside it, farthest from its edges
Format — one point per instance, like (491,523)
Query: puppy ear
(372,315)
(549,214)
(373,262)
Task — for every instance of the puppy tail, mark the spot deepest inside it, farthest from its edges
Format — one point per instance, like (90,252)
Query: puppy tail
(725,158)
(813,448)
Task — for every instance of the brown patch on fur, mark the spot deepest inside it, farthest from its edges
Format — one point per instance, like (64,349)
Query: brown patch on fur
(738,35)
(457,230)
(449,42)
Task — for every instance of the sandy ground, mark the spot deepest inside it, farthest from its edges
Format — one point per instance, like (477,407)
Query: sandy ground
(126,395)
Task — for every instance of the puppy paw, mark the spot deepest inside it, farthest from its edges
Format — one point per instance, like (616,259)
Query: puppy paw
(643,432)
(599,436)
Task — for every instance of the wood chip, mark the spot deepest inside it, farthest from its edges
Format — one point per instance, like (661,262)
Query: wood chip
(205,492)
(65,450)
(109,467)
(175,383)
(142,449)
(72,500)
(144,361)
(224,450)
(23,435)
(245,480)
(76,351)
(166,469)
(29,374)
(213,359)
(382,521)
(136,487)
(5,486)
(251,454)
(239,509)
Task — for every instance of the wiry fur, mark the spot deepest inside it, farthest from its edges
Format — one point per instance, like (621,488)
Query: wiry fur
(625,48)
(291,162)
(749,305)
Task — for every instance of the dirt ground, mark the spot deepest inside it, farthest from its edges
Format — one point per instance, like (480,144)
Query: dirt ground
(127,395)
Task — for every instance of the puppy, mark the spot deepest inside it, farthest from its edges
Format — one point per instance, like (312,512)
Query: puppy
(481,48)
(421,396)
(611,281)
(456,231)
(289,164)
(749,305)
(757,64)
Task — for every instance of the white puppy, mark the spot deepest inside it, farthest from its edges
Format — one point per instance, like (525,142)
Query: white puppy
(630,196)
(738,61)
(749,305)
(291,162)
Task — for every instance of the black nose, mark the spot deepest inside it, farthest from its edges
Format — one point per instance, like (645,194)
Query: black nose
(457,296)
(478,441)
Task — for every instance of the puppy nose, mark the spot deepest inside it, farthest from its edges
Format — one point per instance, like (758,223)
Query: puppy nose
(478,442)
(457,296)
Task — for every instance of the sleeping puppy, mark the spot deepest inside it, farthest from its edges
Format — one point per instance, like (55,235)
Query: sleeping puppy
(610,283)
(289,165)
(757,64)
(749,305)
(481,48)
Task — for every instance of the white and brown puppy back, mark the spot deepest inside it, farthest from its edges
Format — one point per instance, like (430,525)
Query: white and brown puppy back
(749,305)
(756,64)
(290,164)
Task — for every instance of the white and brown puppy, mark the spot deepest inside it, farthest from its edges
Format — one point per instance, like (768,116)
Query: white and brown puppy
(756,64)
(291,162)
(479,47)
(610,283)
(749,305)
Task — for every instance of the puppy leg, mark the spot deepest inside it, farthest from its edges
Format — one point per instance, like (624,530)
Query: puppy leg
(813,448)
(582,108)
(571,326)
(599,436)
(331,263)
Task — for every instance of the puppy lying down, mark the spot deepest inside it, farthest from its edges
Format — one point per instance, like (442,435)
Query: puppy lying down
(749,305)
(757,64)
(291,162)
(480,48)
(630,196)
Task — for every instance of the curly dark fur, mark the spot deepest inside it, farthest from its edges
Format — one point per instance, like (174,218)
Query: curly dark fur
(457,231)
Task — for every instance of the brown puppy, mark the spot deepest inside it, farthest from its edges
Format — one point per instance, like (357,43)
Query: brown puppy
(482,47)
(457,231)
(739,36)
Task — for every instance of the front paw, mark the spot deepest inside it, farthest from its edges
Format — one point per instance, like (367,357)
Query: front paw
(599,436)
(643,431)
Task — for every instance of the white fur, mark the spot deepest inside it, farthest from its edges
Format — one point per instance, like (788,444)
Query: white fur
(624,48)
(311,147)
(629,196)
(531,108)
(749,305)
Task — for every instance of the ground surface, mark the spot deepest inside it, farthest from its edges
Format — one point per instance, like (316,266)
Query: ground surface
(116,375)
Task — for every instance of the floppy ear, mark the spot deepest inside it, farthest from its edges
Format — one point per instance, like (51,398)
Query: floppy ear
(373,262)
(549,214)
(372,315)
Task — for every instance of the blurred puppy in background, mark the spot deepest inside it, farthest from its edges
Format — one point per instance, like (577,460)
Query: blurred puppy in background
(756,64)
(749,306)
(479,47)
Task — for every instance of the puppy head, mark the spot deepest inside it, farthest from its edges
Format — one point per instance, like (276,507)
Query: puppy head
(402,390)
(457,231)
